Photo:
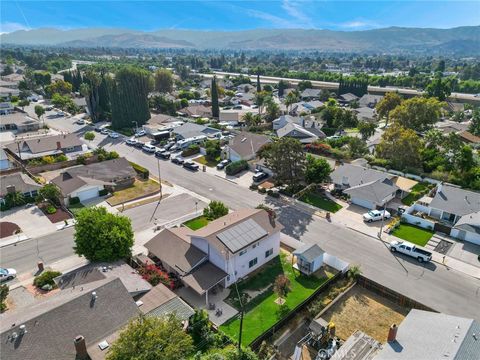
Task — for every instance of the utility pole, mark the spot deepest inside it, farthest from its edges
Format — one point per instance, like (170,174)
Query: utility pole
(159,180)
(240,332)
(383,217)
(136,126)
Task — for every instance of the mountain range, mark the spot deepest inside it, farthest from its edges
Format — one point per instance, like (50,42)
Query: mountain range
(460,40)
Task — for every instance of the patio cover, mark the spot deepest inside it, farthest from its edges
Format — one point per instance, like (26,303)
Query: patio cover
(204,277)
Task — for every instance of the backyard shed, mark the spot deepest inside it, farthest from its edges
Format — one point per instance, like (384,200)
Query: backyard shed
(309,258)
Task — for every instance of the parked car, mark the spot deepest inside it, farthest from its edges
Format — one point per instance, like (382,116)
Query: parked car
(105,131)
(131,141)
(375,215)
(149,148)
(140,133)
(80,122)
(169,145)
(7,274)
(98,129)
(113,135)
(259,176)
(139,144)
(221,165)
(190,165)
(178,160)
(410,249)
(49,108)
(333,137)
(163,154)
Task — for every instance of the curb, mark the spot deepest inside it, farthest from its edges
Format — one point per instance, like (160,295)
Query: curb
(14,241)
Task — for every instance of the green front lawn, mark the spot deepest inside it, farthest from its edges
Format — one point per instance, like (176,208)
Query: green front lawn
(262,312)
(320,202)
(204,161)
(196,223)
(76,208)
(413,234)
(416,193)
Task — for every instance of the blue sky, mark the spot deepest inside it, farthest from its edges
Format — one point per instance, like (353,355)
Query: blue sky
(237,15)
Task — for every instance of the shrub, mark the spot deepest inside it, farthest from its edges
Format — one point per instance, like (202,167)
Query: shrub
(154,276)
(82,160)
(191,150)
(61,158)
(103,192)
(3,296)
(140,170)
(273,194)
(46,278)
(254,187)
(236,167)
(262,190)
(51,209)
(74,200)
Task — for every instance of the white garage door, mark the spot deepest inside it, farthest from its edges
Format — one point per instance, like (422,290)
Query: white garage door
(87,194)
(363,203)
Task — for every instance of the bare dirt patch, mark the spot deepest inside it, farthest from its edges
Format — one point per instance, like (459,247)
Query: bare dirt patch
(8,229)
(60,215)
(363,310)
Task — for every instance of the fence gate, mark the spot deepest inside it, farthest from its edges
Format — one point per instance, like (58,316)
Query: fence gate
(442,228)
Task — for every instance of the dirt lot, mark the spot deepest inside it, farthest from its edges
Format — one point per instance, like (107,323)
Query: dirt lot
(138,190)
(363,310)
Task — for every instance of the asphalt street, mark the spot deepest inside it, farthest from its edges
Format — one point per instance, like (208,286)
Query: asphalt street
(431,284)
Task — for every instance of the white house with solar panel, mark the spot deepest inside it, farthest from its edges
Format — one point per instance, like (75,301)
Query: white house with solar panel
(222,252)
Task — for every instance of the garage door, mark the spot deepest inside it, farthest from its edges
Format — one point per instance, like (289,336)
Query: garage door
(363,203)
(87,194)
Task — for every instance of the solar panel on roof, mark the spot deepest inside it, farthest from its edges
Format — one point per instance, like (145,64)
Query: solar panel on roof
(241,235)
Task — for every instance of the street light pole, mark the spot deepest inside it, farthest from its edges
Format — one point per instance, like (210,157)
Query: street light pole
(136,126)
(383,216)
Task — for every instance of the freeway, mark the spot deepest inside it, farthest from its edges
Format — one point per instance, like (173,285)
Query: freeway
(431,284)
(471,98)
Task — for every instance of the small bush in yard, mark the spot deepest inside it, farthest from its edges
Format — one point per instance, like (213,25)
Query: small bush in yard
(74,200)
(236,167)
(154,276)
(46,278)
(262,190)
(103,192)
(51,209)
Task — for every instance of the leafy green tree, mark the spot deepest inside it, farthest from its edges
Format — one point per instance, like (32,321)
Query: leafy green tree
(357,147)
(89,135)
(230,352)
(199,327)
(261,100)
(282,85)
(251,119)
(3,297)
(152,338)
(90,89)
(39,111)
(259,86)
(61,87)
(50,192)
(14,199)
(389,102)
(163,81)
(129,97)
(42,78)
(474,127)
(291,98)
(418,113)
(215,210)
(281,286)
(401,146)
(286,158)
(102,236)
(439,88)
(465,160)
(366,129)
(272,110)
(22,103)
(214,96)
(305,84)
(316,170)
(213,149)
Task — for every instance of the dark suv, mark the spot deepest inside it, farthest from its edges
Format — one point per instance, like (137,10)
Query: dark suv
(190,165)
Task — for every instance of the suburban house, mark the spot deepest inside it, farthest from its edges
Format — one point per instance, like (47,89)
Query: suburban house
(245,146)
(431,336)
(233,117)
(310,94)
(370,101)
(18,182)
(222,252)
(370,188)
(67,144)
(19,122)
(6,108)
(468,138)
(366,113)
(347,99)
(159,123)
(190,130)
(86,315)
(306,131)
(87,181)
(304,107)
(309,258)
(4,160)
(196,111)
(450,210)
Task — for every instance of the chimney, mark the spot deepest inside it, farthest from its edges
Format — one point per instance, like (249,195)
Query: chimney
(392,333)
(59,146)
(439,188)
(80,348)
(11,189)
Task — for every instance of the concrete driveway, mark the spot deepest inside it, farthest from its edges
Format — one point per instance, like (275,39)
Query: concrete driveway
(352,217)
(243,179)
(32,221)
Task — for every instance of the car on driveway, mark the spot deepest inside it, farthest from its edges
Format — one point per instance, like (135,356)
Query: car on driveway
(221,165)
(190,165)
(375,215)
(104,131)
(7,274)
(178,160)
(139,144)
(162,154)
(259,176)
(140,133)
(131,141)
(149,148)
(80,122)
(113,135)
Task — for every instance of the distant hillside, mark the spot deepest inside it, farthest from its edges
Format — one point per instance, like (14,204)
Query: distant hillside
(460,40)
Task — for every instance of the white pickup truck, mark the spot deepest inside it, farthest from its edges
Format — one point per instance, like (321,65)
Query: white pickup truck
(410,249)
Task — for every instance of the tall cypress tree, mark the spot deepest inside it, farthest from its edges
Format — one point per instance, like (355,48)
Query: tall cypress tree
(214,93)
(259,86)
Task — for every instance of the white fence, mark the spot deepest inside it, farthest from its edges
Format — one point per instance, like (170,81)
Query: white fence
(418,221)
(335,262)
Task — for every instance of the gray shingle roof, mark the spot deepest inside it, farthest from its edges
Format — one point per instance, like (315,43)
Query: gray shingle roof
(46,143)
(431,336)
(204,277)
(309,252)
(310,93)
(174,306)
(375,191)
(53,324)
(22,183)
(247,144)
(353,175)
(456,200)
(18,119)
(469,222)
(189,130)
(369,100)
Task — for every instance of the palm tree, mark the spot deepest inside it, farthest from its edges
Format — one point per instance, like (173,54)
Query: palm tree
(354,272)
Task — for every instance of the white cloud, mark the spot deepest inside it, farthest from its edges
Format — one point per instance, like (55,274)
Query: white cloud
(292,9)
(295,18)
(8,27)
(359,24)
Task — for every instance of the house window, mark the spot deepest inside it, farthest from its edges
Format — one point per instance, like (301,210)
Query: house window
(243,252)
(71,148)
(252,263)
(268,253)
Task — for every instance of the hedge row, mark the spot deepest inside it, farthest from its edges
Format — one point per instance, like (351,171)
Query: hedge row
(140,170)
(236,167)
(191,150)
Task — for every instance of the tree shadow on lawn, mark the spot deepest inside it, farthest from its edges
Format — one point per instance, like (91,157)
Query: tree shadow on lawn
(295,221)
